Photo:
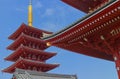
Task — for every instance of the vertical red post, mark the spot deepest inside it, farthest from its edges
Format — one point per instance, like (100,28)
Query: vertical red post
(117,62)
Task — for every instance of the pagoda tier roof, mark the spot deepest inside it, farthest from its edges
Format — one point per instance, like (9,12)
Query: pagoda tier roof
(93,35)
(25,51)
(25,64)
(85,5)
(24,39)
(23,28)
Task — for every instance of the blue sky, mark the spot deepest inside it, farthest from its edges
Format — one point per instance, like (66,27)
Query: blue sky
(51,15)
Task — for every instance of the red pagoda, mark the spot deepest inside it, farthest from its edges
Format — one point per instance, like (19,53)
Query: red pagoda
(29,49)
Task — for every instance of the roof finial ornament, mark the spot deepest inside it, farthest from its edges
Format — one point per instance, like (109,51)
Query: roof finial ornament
(30,16)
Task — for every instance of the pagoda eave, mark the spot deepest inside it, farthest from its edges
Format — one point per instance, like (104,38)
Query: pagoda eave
(23,27)
(23,39)
(24,63)
(16,55)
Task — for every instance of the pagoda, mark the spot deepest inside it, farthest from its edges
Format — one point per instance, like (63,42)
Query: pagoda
(28,48)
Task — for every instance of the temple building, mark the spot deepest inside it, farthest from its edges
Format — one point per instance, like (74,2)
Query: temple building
(29,55)
(96,35)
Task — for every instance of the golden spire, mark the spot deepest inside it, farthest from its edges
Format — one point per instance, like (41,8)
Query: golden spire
(30,17)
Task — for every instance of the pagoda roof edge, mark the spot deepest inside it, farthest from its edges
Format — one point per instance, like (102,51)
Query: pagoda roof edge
(22,48)
(22,27)
(20,61)
(23,37)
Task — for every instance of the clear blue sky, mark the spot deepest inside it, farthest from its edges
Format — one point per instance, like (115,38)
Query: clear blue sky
(51,15)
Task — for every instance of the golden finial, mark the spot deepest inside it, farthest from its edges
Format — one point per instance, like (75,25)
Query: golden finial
(30,17)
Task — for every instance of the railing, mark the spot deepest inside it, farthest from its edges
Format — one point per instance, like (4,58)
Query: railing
(24,75)
(28,75)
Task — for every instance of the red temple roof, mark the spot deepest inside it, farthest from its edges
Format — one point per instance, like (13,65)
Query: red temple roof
(26,29)
(25,64)
(24,39)
(94,35)
(85,5)
(24,52)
